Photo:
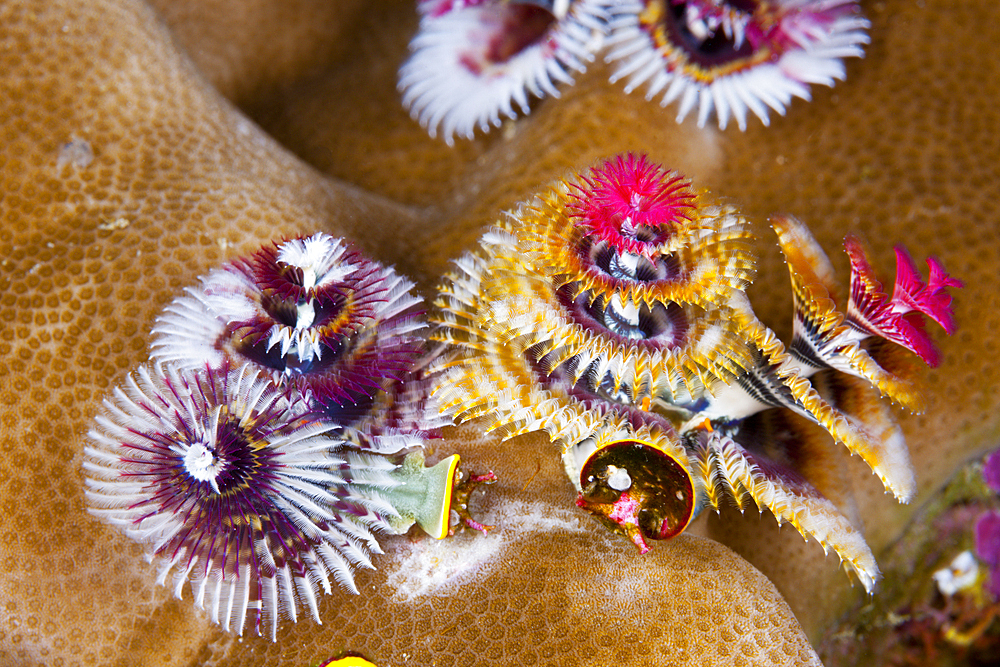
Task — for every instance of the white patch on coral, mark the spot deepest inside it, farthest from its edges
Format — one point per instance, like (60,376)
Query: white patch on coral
(616,591)
(439,567)
(76,152)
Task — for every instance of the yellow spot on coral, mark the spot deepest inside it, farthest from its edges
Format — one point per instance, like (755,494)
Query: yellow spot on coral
(350,661)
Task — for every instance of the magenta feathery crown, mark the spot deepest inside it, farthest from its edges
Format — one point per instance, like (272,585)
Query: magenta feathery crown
(900,319)
(632,204)
(932,299)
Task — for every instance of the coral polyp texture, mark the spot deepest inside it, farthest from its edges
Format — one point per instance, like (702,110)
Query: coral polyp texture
(233,486)
(476,61)
(610,311)
(732,58)
(309,311)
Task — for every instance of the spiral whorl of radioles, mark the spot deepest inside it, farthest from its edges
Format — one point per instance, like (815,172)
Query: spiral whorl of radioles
(610,312)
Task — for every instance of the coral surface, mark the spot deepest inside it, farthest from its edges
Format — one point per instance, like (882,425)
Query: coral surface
(125,174)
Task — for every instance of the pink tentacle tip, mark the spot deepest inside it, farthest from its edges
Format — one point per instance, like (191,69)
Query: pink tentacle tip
(932,299)
(900,319)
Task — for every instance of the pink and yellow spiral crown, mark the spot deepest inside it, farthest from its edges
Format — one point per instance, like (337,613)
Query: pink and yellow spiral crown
(610,312)
(649,278)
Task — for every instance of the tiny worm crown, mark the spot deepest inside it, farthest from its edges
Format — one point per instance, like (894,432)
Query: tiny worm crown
(610,311)
(309,311)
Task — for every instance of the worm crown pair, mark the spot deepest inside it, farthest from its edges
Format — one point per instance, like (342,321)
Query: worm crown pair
(476,61)
(277,432)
